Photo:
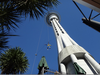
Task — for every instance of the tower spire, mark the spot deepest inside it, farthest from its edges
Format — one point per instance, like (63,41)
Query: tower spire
(69,52)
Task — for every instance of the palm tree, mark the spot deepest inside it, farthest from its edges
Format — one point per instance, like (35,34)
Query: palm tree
(12,10)
(13,61)
(36,8)
(8,17)
(3,43)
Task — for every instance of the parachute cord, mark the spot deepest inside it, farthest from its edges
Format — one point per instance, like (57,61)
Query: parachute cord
(41,49)
(48,33)
(37,48)
(33,64)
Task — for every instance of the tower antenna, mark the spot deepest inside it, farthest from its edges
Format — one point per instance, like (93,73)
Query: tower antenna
(73,59)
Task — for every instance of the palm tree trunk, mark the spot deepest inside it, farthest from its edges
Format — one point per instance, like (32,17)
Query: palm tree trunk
(6,70)
(3,71)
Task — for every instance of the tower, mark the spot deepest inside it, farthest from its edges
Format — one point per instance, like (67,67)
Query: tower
(72,58)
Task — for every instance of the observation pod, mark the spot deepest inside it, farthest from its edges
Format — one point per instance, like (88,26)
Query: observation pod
(73,59)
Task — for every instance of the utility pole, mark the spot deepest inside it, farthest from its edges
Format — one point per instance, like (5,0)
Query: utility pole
(73,59)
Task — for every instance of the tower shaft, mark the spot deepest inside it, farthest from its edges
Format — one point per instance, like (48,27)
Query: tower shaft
(63,39)
(72,57)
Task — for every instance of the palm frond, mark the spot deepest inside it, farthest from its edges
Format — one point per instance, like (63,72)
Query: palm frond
(37,7)
(8,16)
(14,60)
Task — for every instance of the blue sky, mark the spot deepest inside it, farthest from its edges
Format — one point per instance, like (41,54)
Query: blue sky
(34,34)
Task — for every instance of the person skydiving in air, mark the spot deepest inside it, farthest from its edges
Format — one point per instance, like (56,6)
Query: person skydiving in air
(48,46)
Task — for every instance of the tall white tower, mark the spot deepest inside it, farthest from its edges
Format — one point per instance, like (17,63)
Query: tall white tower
(73,59)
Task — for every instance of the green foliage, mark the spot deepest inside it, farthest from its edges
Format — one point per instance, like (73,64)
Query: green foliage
(4,40)
(11,12)
(8,16)
(3,43)
(13,61)
(36,8)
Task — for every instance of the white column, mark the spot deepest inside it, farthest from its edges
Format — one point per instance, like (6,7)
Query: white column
(93,62)
(58,38)
(66,35)
(42,71)
(62,68)
(73,57)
